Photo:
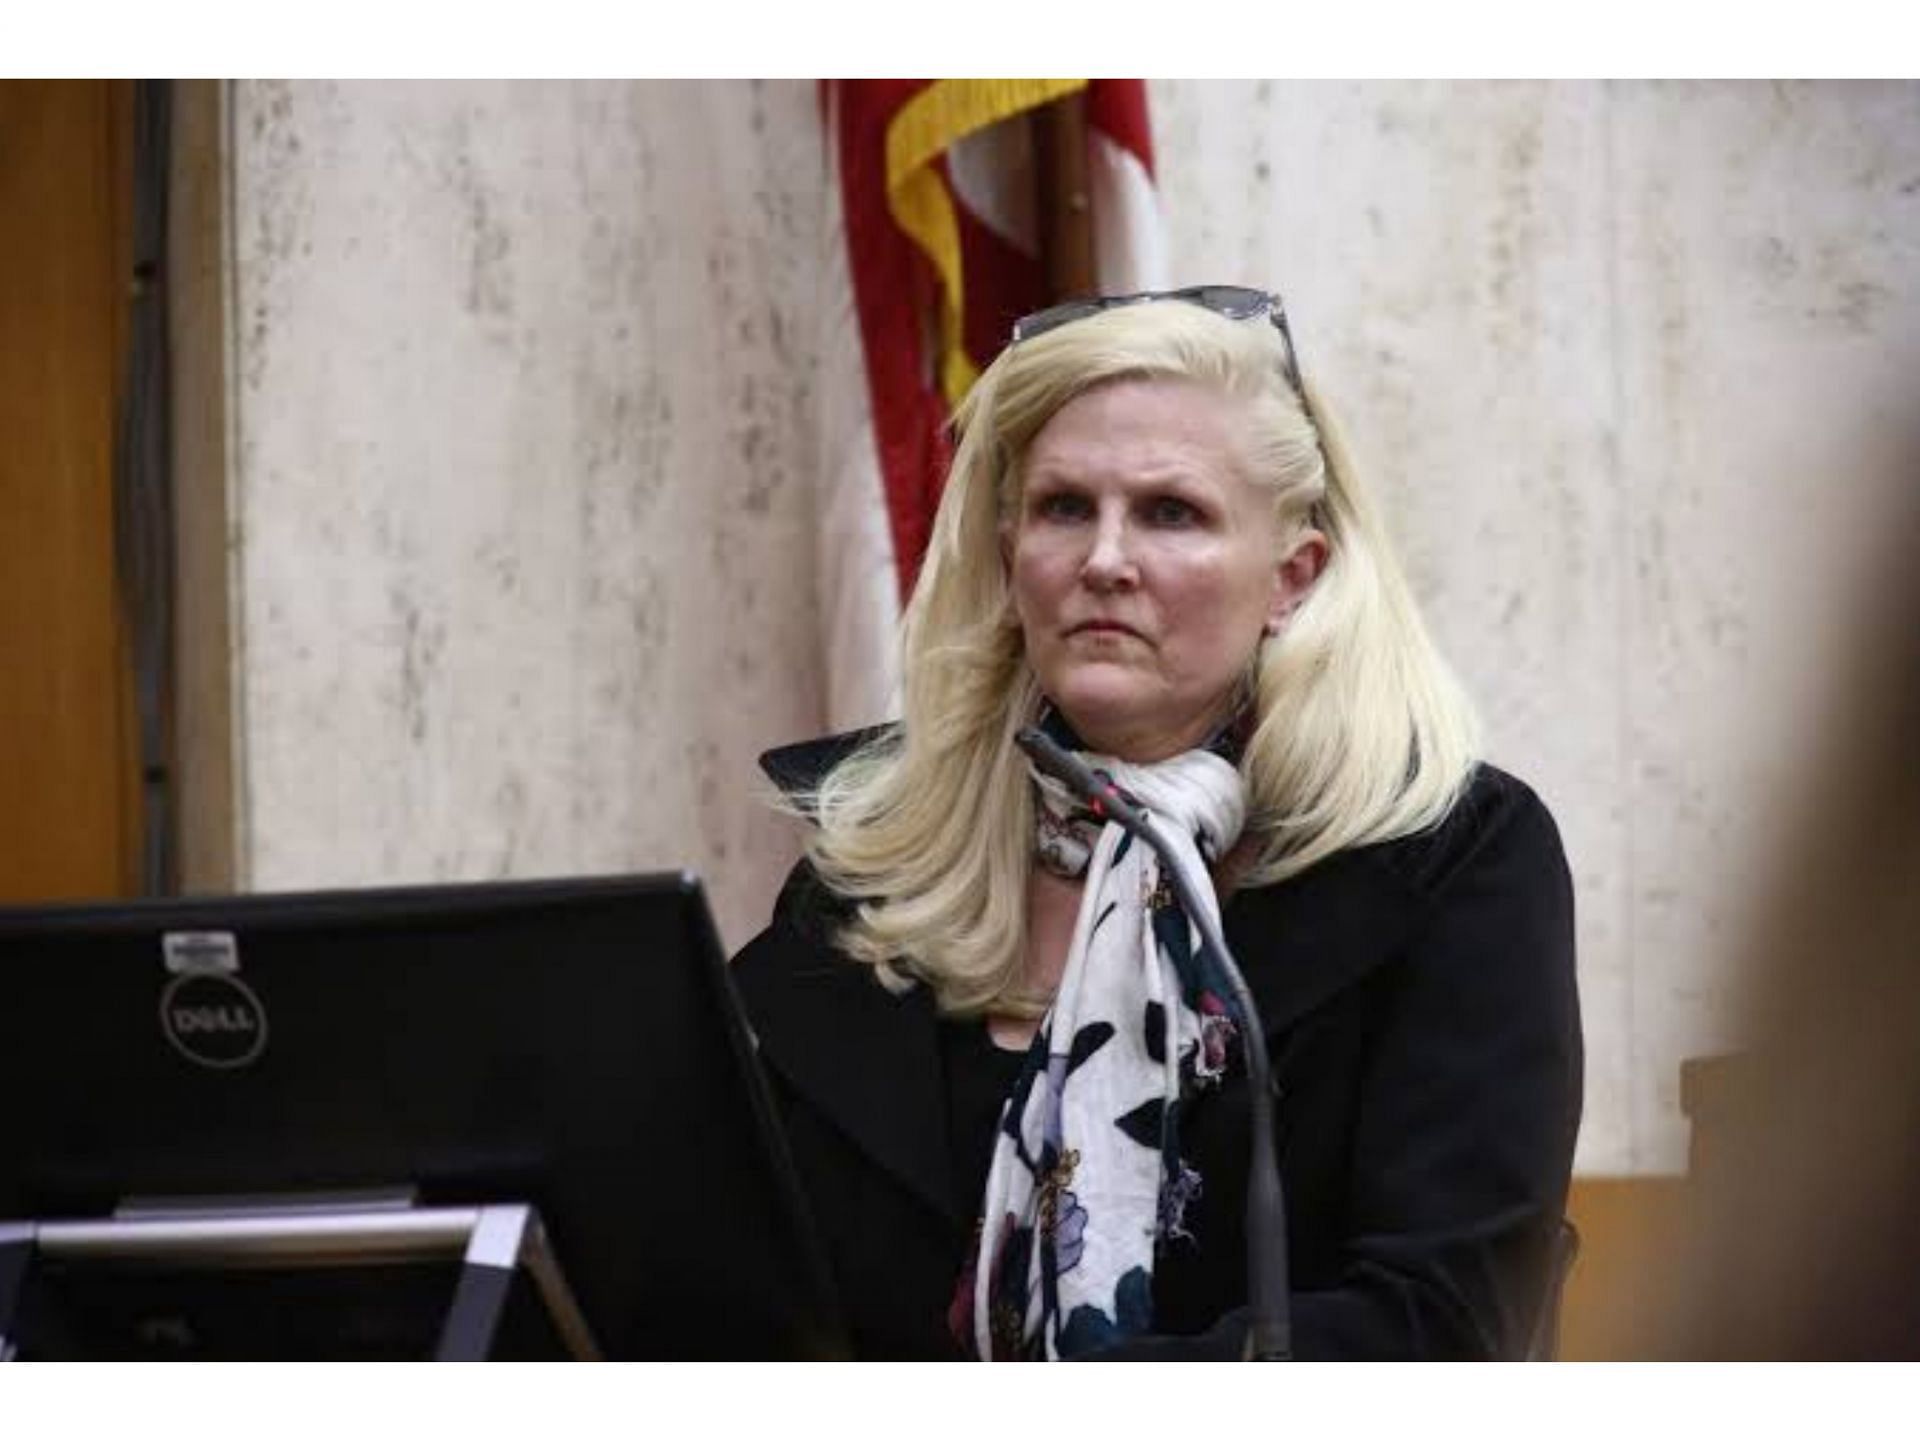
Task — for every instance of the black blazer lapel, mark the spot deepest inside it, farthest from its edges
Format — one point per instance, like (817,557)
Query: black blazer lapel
(797,768)
(1303,941)
(866,1059)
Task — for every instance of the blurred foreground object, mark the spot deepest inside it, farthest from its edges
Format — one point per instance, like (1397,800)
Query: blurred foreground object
(1799,1236)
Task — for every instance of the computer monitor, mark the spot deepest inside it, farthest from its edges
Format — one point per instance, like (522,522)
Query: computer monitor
(572,1044)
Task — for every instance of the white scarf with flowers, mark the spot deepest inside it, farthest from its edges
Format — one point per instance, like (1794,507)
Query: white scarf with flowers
(1086,1177)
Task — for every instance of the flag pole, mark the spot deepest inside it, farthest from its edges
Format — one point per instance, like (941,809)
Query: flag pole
(1065,205)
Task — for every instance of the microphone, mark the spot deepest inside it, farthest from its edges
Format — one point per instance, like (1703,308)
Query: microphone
(1270,1330)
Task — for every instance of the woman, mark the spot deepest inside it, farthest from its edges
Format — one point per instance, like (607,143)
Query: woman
(1013,1081)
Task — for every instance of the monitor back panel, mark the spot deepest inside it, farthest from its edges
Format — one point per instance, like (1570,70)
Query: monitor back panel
(573,1044)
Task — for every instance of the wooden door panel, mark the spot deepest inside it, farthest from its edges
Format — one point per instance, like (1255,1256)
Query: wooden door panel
(66,751)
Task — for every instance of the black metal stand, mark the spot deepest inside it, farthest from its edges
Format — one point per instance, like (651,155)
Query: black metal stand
(491,1242)
(16,1252)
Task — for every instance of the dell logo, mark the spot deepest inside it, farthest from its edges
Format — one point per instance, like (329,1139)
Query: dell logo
(214,1019)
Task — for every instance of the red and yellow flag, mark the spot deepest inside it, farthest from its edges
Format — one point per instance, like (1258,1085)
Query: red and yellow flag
(939,200)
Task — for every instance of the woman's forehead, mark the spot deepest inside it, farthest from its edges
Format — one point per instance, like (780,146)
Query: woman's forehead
(1142,424)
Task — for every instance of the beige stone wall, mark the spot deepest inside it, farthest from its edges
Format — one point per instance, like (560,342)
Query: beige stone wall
(522,391)
(523,436)
(1619,357)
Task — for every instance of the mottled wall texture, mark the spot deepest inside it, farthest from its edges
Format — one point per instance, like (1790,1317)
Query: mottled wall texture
(522,397)
(523,428)
(1619,357)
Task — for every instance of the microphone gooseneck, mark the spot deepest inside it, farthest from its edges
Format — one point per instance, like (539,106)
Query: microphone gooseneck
(1270,1331)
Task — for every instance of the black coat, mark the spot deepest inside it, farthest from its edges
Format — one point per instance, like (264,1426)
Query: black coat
(1420,1004)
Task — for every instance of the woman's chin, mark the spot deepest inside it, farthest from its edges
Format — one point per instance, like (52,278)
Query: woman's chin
(1119,721)
(1108,724)
(1092,708)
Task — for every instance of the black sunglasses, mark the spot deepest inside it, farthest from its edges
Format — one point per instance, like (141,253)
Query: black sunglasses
(1235,302)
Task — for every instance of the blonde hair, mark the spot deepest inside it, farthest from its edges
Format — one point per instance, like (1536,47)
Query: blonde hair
(1362,733)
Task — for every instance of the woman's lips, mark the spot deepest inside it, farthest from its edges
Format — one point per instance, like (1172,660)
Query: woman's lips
(1103,627)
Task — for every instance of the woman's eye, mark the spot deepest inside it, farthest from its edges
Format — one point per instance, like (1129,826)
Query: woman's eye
(1172,511)
(1062,505)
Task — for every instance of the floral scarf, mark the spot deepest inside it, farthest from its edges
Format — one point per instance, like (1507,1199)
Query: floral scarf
(1086,1178)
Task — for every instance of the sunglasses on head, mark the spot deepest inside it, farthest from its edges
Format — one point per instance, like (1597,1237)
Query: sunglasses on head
(1235,302)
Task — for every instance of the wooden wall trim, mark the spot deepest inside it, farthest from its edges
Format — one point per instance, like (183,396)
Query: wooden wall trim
(1629,1237)
(205,765)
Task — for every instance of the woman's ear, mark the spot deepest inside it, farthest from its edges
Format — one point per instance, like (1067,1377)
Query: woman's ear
(1294,576)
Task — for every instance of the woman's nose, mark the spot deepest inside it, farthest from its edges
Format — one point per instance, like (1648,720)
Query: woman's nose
(1110,560)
